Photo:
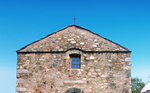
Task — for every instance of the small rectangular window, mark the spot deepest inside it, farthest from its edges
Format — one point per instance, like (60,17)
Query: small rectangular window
(75,61)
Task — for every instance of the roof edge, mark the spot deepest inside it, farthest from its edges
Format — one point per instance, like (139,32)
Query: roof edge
(66,28)
(44,38)
(84,51)
(102,37)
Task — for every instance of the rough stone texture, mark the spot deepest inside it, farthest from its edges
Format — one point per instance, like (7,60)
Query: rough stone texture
(73,37)
(52,72)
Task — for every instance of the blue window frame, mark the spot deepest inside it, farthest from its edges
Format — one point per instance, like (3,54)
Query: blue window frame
(75,61)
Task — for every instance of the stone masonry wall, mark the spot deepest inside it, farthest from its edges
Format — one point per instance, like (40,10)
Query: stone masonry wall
(73,37)
(52,73)
(45,65)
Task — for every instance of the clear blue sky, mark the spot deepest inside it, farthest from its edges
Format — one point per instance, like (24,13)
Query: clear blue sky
(126,22)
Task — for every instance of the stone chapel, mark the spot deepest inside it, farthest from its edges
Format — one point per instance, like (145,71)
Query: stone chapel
(73,60)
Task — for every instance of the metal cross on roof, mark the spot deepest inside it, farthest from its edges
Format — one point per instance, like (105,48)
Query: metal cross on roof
(74,20)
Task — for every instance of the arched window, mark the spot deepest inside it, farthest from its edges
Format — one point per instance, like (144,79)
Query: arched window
(75,63)
(74,90)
